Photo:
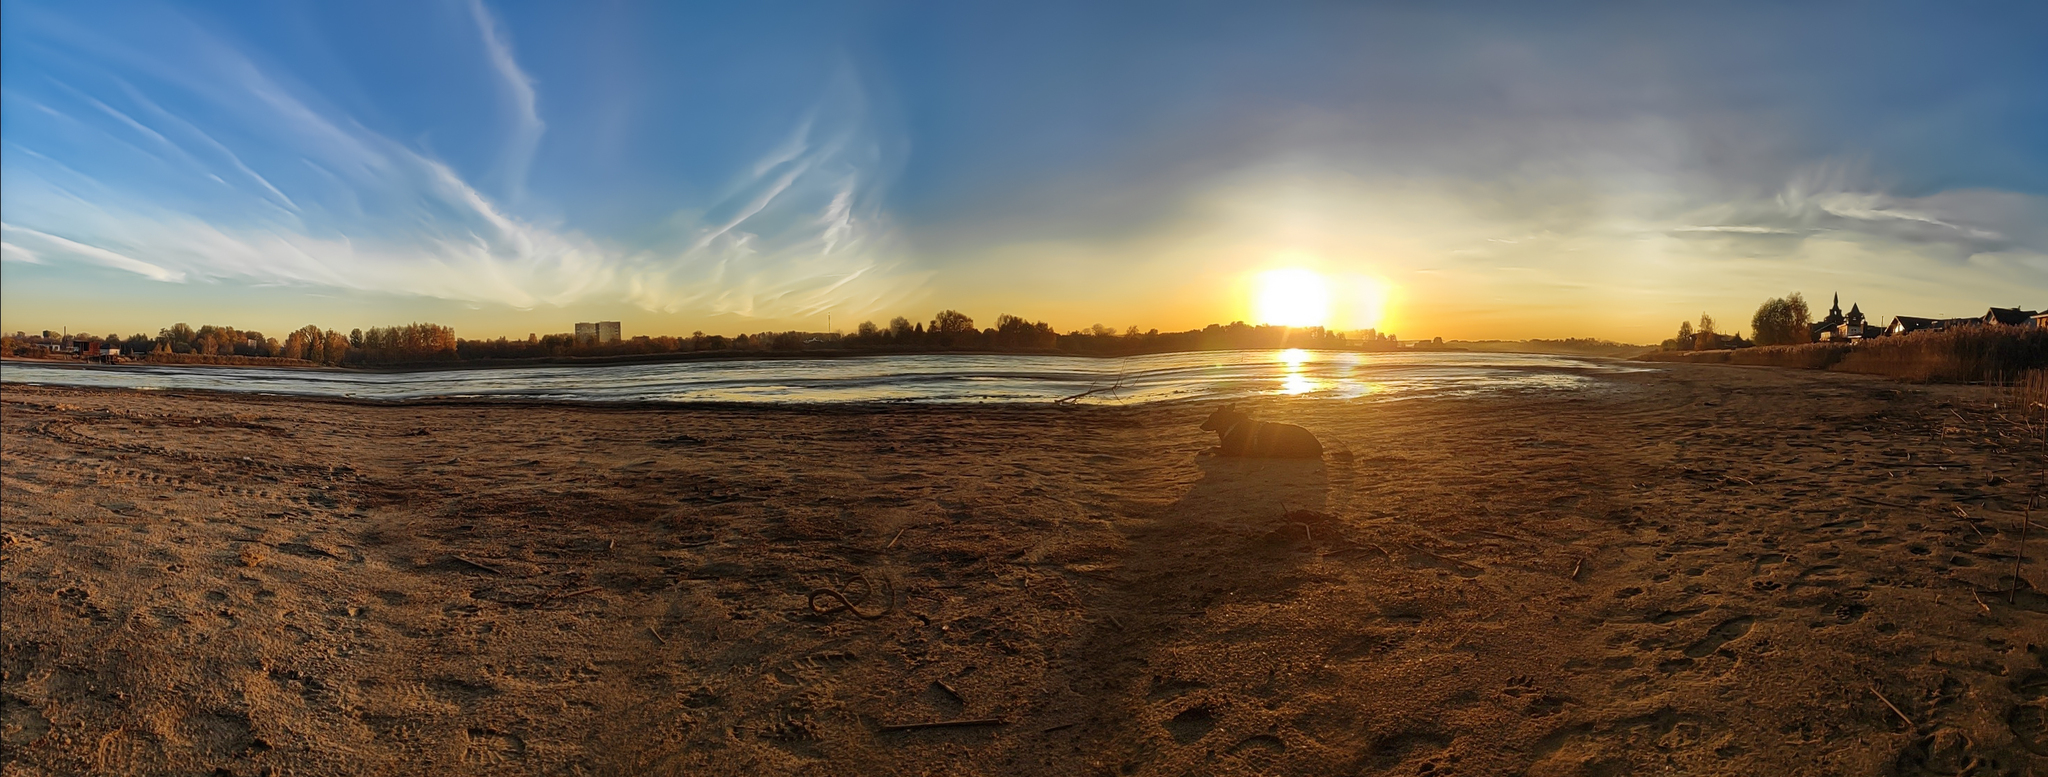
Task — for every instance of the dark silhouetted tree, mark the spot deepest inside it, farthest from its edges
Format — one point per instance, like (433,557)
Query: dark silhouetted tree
(1782,321)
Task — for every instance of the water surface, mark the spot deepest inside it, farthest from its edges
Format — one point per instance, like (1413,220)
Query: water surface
(901,378)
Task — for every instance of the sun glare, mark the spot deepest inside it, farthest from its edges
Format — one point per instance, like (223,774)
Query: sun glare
(1293,382)
(1292,297)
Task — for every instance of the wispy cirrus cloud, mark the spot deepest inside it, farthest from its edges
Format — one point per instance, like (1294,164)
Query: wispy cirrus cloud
(321,200)
(91,253)
(1829,201)
(527,125)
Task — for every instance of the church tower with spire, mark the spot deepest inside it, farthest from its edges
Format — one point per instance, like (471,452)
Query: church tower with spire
(1825,328)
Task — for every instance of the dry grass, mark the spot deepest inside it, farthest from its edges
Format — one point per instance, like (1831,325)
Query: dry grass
(2029,396)
(1974,354)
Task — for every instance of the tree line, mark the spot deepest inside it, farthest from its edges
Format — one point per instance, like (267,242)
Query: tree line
(1778,321)
(948,330)
(404,343)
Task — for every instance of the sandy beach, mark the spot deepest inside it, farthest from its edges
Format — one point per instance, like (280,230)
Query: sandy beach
(1700,570)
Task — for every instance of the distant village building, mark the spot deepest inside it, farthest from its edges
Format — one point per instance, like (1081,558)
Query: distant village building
(1844,327)
(599,332)
(1909,324)
(2041,320)
(1992,317)
(2008,317)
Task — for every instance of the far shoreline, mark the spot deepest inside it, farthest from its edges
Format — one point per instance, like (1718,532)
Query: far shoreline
(724,356)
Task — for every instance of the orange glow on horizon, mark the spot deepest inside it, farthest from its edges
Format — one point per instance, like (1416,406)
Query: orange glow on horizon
(1301,297)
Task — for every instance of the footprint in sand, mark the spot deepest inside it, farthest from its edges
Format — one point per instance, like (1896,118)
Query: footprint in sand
(2029,719)
(489,748)
(20,722)
(1260,743)
(1191,724)
(1669,616)
(1720,635)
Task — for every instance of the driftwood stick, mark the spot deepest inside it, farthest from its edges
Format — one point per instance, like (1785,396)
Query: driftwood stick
(657,635)
(479,565)
(962,723)
(892,540)
(1894,707)
(1575,569)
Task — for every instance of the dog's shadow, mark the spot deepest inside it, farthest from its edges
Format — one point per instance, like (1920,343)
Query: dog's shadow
(1254,489)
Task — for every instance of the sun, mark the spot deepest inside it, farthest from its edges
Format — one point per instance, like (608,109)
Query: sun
(1291,297)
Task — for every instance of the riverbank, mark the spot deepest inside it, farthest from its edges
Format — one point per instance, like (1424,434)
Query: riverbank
(1696,570)
(1490,346)
(1976,354)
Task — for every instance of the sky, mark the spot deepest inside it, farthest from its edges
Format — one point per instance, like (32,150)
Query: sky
(1463,171)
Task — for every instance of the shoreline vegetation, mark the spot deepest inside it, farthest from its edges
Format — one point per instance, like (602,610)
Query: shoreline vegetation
(421,346)
(1969,354)
(2005,346)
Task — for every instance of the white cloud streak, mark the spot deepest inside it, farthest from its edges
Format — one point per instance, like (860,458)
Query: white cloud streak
(95,254)
(526,135)
(13,253)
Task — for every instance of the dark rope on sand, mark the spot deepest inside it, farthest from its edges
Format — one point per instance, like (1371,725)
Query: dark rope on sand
(846,604)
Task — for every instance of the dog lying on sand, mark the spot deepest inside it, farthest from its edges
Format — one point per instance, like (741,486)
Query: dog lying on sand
(1242,436)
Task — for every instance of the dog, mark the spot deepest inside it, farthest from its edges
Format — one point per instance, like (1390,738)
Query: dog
(1239,435)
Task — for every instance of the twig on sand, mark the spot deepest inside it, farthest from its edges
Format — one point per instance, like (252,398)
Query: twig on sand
(2019,555)
(657,635)
(852,606)
(1966,520)
(571,594)
(962,723)
(1980,600)
(1894,707)
(479,565)
(892,540)
(1575,569)
(1868,500)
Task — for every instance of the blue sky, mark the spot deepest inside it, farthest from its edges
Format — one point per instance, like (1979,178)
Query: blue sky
(1498,171)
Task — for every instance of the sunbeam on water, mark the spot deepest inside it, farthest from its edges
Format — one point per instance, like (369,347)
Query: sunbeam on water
(923,378)
(1294,383)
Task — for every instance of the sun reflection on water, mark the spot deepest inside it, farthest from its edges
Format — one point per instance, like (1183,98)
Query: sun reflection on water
(1294,382)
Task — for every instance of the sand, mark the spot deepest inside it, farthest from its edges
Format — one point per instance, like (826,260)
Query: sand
(1706,570)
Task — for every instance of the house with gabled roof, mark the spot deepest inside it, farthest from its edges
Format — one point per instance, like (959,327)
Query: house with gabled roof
(2009,317)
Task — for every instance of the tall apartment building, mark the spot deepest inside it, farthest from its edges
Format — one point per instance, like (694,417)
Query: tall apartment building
(599,332)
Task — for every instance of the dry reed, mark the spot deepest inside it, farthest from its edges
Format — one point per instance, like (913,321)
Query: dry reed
(1969,354)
